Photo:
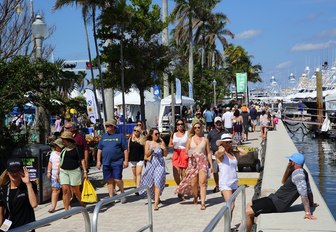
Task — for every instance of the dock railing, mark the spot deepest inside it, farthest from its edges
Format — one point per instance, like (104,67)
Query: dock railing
(225,212)
(55,217)
(109,200)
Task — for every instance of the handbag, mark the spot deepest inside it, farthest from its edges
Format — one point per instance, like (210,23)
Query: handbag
(89,194)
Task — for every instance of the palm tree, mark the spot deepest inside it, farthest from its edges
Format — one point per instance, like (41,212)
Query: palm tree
(85,11)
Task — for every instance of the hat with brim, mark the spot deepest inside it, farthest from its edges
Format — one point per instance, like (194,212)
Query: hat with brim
(58,142)
(297,158)
(224,138)
(111,122)
(14,165)
(67,135)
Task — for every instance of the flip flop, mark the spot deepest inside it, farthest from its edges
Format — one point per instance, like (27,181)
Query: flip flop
(51,210)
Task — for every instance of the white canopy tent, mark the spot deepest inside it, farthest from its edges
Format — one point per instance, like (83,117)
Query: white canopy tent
(132,102)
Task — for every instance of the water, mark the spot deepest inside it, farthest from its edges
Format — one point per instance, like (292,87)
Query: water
(320,155)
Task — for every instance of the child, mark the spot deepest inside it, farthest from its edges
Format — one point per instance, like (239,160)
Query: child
(53,175)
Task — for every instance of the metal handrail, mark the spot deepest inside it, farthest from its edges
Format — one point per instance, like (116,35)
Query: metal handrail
(226,212)
(106,201)
(55,217)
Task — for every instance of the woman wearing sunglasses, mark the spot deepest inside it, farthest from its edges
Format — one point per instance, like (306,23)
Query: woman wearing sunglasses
(154,175)
(198,150)
(178,141)
(136,152)
(226,158)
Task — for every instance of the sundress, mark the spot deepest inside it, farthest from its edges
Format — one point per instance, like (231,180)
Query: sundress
(155,172)
(197,162)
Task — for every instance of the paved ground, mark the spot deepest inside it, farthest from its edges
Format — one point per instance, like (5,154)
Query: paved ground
(173,215)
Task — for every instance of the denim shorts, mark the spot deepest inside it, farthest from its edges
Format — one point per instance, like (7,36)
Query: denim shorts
(113,171)
(54,182)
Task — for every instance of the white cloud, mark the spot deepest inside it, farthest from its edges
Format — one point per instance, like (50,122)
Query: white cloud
(249,34)
(311,46)
(327,33)
(284,65)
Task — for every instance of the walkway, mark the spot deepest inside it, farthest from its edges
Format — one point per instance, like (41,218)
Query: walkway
(172,216)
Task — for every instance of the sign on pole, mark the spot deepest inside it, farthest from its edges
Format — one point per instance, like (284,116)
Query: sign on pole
(241,82)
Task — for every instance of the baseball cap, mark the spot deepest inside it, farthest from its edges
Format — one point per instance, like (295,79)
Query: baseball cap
(218,119)
(14,165)
(297,158)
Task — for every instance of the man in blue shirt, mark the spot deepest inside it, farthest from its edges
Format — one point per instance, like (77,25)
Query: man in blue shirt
(208,115)
(113,155)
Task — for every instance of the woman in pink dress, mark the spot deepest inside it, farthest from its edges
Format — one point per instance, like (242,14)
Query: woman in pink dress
(199,153)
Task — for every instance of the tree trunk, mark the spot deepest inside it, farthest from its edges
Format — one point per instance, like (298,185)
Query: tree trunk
(91,69)
(142,106)
(191,53)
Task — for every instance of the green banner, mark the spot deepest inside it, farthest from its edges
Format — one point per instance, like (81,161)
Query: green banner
(241,82)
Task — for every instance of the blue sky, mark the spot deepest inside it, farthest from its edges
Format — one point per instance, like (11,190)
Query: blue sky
(284,36)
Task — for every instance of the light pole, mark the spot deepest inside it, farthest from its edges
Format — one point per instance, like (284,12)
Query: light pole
(39,30)
(214,83)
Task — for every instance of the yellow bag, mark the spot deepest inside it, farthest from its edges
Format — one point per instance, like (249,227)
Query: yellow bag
(89,194)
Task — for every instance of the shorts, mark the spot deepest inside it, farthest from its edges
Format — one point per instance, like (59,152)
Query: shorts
(136,163)
(54,183)
(71,177)
(113,171)
(215,166)
(229,129)
(254,122)
(223,187)
(263,205)
(246,128)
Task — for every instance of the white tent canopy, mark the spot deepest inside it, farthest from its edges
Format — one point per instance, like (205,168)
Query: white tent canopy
(133,97)
(186,101)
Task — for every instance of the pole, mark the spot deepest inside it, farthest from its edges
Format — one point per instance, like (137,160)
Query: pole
(214,92)
(172,105)
(165,43)
(123,82)
(319,98)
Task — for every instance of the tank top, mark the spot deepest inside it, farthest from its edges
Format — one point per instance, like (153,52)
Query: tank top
(228,171)
(136,151)
(180,142)
(198,148)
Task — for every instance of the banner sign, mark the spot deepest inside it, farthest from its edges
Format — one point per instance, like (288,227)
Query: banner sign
(91,105)
(190,90)
(178,91)
(157,91)
(241,82)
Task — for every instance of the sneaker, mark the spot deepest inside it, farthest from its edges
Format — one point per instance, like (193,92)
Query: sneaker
(123,200)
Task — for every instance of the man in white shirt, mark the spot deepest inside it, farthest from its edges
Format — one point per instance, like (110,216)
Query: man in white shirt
(227,119)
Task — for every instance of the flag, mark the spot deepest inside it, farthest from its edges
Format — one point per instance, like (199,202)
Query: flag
(157,91)
(178,91)
(190,90)
(91,105)
(241,82)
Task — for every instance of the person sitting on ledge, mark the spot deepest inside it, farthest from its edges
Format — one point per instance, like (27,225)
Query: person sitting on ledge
(295,183)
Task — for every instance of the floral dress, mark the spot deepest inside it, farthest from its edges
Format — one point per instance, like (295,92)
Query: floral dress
(155,172)
(197,162)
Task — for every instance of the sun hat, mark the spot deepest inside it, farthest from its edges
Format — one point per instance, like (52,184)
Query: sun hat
(14,164)
(111,122)
(58,142)
(224,138)
(297,158)
(67,135)
(218,119)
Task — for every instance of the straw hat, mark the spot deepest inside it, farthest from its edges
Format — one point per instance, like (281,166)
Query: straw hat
(67,135)
(111,122)
(58,142)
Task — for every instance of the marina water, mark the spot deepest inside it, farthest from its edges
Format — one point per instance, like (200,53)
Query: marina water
(320,155)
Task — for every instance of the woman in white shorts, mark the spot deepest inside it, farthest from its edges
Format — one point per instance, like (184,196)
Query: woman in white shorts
(136,151)
(226,158)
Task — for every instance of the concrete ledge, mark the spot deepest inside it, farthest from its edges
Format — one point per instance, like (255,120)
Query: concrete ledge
(279,145)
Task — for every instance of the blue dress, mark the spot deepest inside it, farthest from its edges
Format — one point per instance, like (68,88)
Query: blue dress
(155,172)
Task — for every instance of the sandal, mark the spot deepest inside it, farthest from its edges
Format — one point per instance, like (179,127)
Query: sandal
(51,210)
(156,208)
(203,207)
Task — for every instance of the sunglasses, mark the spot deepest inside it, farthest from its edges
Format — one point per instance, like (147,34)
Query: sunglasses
(179,124)
(139,124)
(109,126)
(197,127)
(67,128)
(156,134)
(227,142)
(136,130)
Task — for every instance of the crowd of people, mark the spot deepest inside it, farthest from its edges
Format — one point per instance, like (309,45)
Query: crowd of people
(196,156)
